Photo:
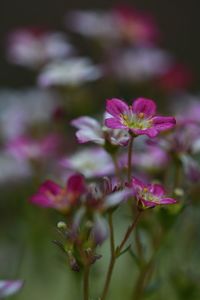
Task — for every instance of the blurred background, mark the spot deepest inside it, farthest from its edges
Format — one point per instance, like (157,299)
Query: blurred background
(36,107)
(178,21)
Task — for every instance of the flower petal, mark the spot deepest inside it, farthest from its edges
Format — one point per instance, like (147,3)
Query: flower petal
(157,189)
(137,184)
(168,201)
(163,123)
(145,106)
(116,198)
(41,200)
(89,130)
(149,204)
(50,186)
(116,107)
(99,230)
(150,132)
(9,287)
(76,184)
(115,123)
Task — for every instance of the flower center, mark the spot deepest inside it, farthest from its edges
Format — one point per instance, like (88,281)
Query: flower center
(146,195)
(136,121)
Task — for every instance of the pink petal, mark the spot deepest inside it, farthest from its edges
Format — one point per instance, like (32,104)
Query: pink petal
(145,106)
(116,107)
(150,132)
(50,186)
(136,183)
(9,287)
(76,184)
(147,203)
(168,201)
(163,123)
(41,200)
(115,124)
(157,189)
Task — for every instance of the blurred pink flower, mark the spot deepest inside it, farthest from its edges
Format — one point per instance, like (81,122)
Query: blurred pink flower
(121,23)
(9,287)
(153,158)
(178,77)
(50,194)
(149,195)
(139,64)
(28,148)
(135,26)
(33,47)
(139,118)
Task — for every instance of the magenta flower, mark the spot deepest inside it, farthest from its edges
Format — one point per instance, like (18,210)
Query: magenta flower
(135,26)
(51,194)
(139,118)
(149,195)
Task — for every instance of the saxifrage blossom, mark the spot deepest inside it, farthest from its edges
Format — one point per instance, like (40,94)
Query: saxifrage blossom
(52,195)
(139,118)
(90,130)
(149,195)
(91,162)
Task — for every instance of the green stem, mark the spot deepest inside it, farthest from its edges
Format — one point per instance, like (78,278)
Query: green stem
(128,232)
(130,146)
(140,283)
(117,170)
(112,259)
(86,282)
(115,252)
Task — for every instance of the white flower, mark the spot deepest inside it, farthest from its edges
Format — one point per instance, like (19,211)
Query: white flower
(12,170)
(90,162)
(73,71)
(20,109)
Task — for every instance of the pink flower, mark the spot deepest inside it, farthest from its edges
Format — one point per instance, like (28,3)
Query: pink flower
(33,47)
(51,194)
(135,26)
(149,195)
(27,148)
(178,77)
(139,118)
(9,287)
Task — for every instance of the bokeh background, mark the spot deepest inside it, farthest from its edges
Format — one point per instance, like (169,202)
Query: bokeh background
(178,21)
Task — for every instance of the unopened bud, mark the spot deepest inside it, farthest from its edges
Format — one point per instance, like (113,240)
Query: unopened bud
(61,225)
(179,192)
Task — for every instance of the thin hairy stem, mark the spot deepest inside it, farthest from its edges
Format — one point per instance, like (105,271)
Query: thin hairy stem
(112,259)
(130,147)
(116,165)
(129,231)
(86,282)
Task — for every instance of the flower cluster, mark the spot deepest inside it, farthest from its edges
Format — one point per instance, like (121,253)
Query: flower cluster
(134,164)
(86,204)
